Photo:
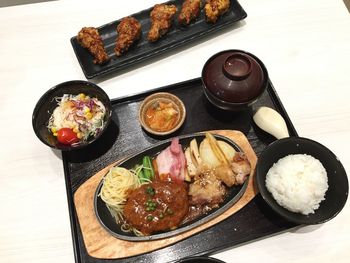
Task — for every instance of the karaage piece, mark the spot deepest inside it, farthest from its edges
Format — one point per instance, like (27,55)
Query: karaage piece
(129,30)
(89,38)
(215,8)
(190,11)
(161,17)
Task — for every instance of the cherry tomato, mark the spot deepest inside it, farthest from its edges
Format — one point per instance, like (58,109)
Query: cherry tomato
(67,136)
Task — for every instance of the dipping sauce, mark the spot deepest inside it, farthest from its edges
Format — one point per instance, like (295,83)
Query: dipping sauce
(162,115)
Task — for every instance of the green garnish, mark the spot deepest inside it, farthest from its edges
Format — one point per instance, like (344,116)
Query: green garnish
(150,205)
(169,211)
(147,167)
(150,190)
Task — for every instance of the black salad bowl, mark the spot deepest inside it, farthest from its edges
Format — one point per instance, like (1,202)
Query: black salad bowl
(48,102)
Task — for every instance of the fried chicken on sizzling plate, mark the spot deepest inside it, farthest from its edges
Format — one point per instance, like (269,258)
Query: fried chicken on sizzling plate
(215,8)
(90,39)
(161,17)
(190,11)
(129,30)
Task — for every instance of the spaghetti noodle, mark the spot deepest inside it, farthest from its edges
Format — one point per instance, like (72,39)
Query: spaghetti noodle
(114,190)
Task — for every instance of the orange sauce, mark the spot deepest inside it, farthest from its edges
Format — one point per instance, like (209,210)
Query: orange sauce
(162,116)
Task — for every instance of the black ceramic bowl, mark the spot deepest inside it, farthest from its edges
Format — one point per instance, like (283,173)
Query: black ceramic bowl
(200,260)
(234,79)
(47,103)
(338,187)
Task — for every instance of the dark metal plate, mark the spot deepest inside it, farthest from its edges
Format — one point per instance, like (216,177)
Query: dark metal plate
(125,136)
(143,50)
(234,193)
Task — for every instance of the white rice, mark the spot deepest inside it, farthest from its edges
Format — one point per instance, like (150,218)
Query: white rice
(298,183)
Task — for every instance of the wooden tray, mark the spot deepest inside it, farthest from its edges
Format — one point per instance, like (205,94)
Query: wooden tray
(100,244)
(124,136)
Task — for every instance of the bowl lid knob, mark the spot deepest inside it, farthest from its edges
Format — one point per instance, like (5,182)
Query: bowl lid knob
(237,66)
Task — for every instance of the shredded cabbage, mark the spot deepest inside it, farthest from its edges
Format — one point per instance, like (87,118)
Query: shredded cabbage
(81,113)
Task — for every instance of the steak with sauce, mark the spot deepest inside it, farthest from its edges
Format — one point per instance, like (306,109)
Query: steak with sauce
(155,207)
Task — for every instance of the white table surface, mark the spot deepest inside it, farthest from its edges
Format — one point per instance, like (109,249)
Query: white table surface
(305,46)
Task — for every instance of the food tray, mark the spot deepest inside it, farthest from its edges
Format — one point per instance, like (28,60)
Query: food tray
(144,50)
(124,136)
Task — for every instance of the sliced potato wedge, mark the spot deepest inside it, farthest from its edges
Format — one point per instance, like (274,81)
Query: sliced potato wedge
(207,154)
(227,150)
(191,167)
(187,176)
(216,149)
(195,152)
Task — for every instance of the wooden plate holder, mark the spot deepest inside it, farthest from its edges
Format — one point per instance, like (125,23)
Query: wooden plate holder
(100,244)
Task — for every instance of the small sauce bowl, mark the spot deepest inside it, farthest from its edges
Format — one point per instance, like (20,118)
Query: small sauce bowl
(162,113)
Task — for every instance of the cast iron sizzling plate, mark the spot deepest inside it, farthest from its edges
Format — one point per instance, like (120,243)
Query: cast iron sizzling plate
(234,193)
(254,221)
(142,50)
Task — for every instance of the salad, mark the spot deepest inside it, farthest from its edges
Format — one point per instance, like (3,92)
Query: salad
(77,118)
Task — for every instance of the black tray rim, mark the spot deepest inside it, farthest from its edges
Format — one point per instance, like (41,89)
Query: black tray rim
(70,195)
(158,51)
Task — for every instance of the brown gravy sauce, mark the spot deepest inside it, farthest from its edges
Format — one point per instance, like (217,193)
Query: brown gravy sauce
(158,206)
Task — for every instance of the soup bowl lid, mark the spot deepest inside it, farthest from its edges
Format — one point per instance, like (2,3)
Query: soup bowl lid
(234,76)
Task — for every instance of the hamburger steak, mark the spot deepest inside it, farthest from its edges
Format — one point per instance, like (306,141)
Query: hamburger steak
(155,207)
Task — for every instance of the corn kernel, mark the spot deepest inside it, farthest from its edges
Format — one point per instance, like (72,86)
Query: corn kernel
(76,129)
(54,130)
(55,134)
(81,95)
(88,115)
(86,109)
(79,135)
(67,105)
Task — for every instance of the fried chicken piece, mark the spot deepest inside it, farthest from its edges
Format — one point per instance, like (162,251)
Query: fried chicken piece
(215,8)
(161,17)
(206,189)
(241,167)
(225,174)
(129,30)
(236,173)
(90,39)
(190,11)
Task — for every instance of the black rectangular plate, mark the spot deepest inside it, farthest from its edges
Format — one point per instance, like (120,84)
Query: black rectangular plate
(124,136)
(143,50)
